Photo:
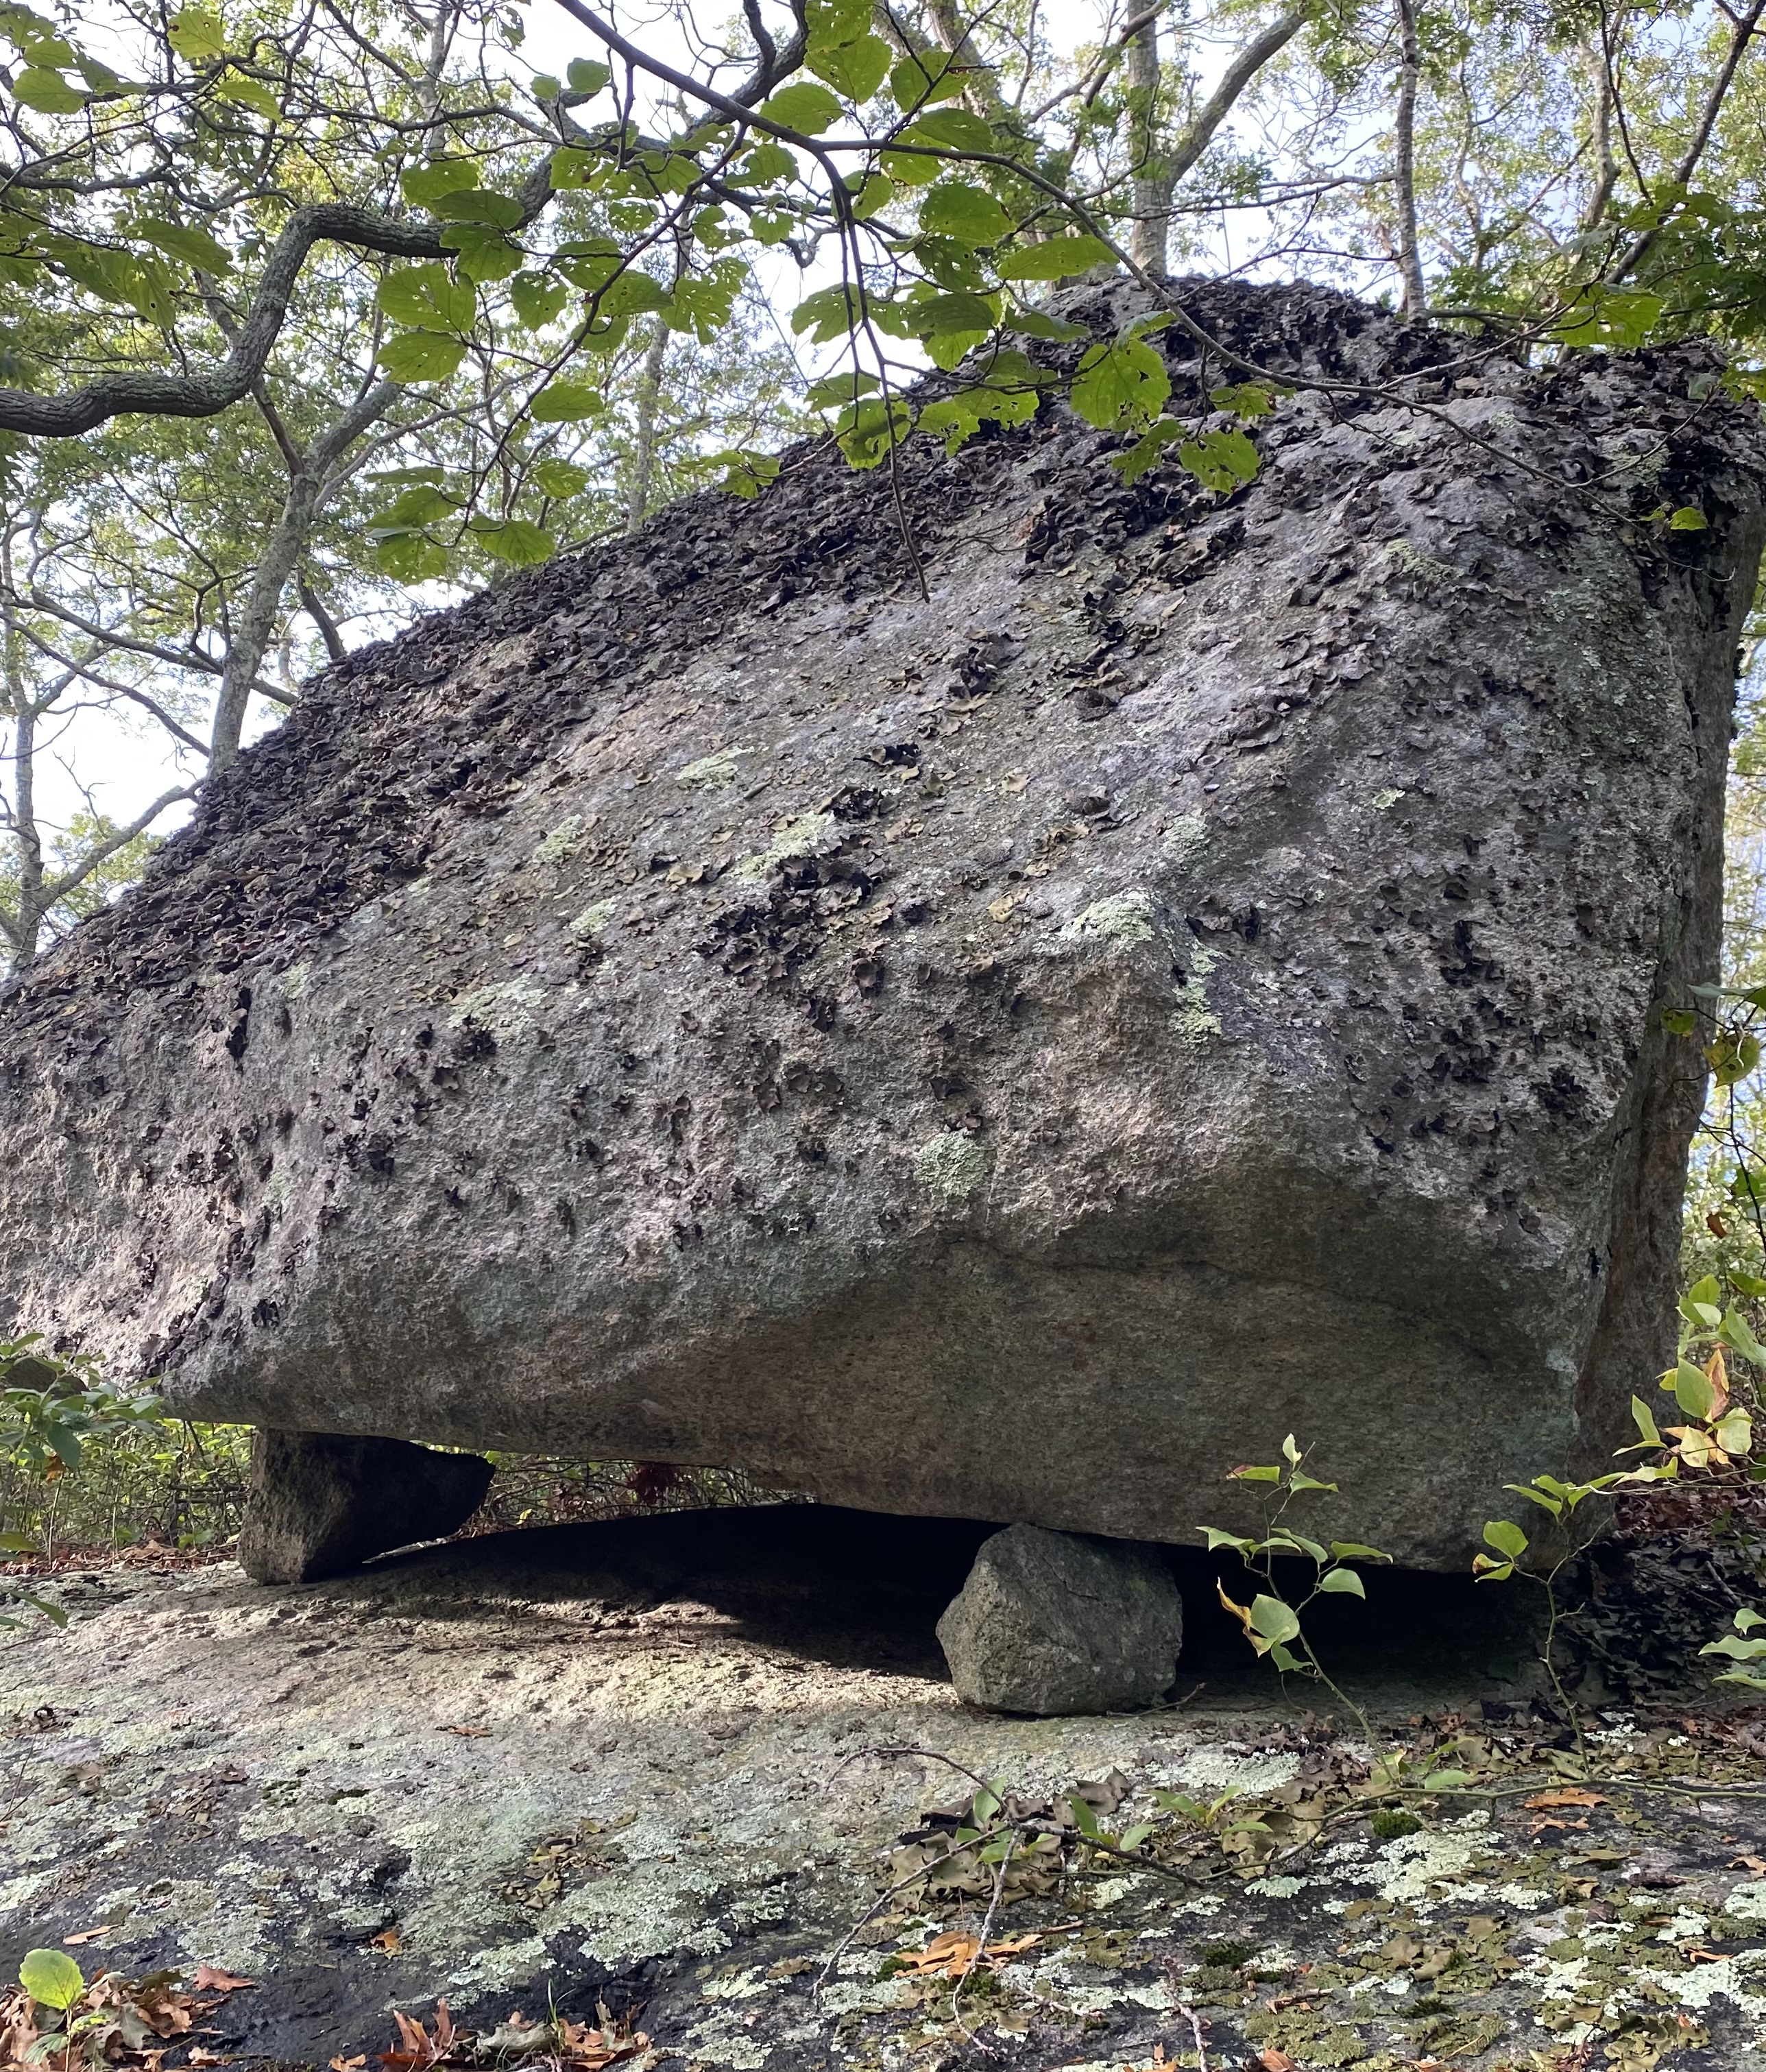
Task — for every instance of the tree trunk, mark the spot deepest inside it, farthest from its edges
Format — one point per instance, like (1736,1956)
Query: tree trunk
(1415,299)
(1150,173)
(255,627)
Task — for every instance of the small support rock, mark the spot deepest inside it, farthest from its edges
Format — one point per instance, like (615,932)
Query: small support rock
(321,1504)
(1054,1622)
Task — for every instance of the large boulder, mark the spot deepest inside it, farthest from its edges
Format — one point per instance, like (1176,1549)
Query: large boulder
(1008,1025)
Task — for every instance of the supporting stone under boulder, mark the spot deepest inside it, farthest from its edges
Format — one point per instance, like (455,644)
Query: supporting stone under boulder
(1009,1024)
(321,1504)
(1053,1623)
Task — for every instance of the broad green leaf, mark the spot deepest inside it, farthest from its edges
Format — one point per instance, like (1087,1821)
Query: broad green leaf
(635,294)
(17,1543)
(1274,1619)
(1447,1780)
(829,24)
(421,185)
(1736,1331)
(567,403)
(927,76)
(828,313)
(1244,399)
(411,557)
(421,505)
(1222,461)
(1217,1538)
(183,241)
(587,75)
(1288,1662)
(1297,1481)
(148,288)
(516,541)
(856,69)
(1688,518)
(501,211)
(1679,1021)
(559,478)
(51,1978)
(1747,1285)
(485,253)
(1737,1648)
(428,297)
(833,391)
(951,129)
(244,91)
(1146,453)
(1507,1538)
(48,91)
(871,429)
(1342,1582)
(1644,1419)
(1353,1549)
(1124,384)
(969,214)
(957,312)
(1291,1452)
(1545,1501)
(959,417)
(422,355)
(1693,1390)
(802,106)
(545,87)
(747,473)
(910,169)
(197,34)
(1254,1474)
(1038,323)
(1611,316)
(537,298)
(1055,259)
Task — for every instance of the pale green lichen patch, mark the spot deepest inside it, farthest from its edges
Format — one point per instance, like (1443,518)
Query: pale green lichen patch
(506,1010)
(953,1166)
(1186,837)
(714,772)
(807,835)
(594,920)
(562,843)
(1124,917)
(1423,569)
(1383,800)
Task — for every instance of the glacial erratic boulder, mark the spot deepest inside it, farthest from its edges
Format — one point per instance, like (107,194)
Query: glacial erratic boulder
(1051,1623)
(1014,1048)
(322,1504)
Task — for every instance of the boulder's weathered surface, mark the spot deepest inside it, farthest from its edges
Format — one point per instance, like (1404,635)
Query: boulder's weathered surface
(1053,1622)
(1192,974)
(322,1504)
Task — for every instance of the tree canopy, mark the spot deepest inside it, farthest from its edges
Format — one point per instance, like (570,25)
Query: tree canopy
(307,309)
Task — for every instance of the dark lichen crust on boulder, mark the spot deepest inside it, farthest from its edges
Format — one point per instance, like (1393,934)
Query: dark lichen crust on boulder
(1194,973)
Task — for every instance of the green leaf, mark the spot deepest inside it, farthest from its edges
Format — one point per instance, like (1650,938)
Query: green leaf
(1679,1021)
(748,473)
(1274,1619)
(1736,1331)
(1507,1538)
(485,253)
(959,417)
(1296,1481)
(925,77)
(1218,1538)
(48,91)
(51,1978)
(1688,518)
(635,293)
(1290,1664)
(545,87)
(1545,1501)
(856,69)
(1342,1582)
(1352,1550)
(567,403)
(828,313)
(244,91)
(1055,259)
(421,185)
(875,193)
(951,129)
(17,1543)
(559,478)
(1254,1474)
(428,297)
(1038,323)
(1145,454)
(1693,1390)
(802,106)
(537,298)
(959,311)
(1244,399)
(1644,1419)
(587,75)
(1747,1285)
(1291,1452)
(516,541)
(1124,384)
(501,211)
(422,355)
(410,557)
(1611,316)
(872,429)
(1222,461)
(1447,1780)
(184,241)
(197,34)
(421,505)
(967,215)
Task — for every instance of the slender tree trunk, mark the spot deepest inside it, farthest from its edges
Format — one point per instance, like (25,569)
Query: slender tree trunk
(1416,300)
(644,457)
(1151,174)
(255,625)
(1606,165)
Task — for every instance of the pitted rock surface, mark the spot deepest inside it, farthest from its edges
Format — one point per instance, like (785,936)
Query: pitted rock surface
(1192,974)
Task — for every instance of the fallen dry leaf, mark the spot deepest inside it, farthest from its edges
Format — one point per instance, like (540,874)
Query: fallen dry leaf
(1550,1801)
(418,2047)
(199,2056)
(469,1733)
(388,1940)
(212,1978)
(954,1953)
(87,1935)
(1756,1865)
(347,2064)
(1273,2060)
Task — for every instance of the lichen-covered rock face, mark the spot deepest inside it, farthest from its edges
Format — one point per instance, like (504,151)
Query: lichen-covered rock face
(1018,1048)
(1051,1623)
